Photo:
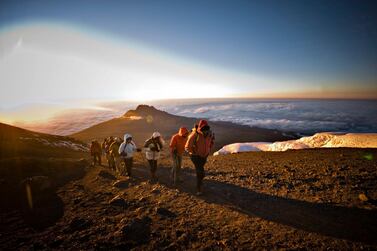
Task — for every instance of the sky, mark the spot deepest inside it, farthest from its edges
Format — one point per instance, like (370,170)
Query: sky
(55,54)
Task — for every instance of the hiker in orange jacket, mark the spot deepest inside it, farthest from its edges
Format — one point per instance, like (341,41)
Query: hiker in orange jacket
(95,151)
(177,148)
(199,145)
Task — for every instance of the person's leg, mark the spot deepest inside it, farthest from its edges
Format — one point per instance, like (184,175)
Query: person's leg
(99,158)
(94,159)
(199,163)
(179,168)
(172,171)
(201,173)
(129,166)
(154,168)
(151,166)
(117,164)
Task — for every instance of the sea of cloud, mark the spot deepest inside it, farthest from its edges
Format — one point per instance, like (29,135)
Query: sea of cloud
(301,116)
(304,117)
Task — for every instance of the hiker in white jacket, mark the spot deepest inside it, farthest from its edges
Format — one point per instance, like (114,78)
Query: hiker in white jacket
(126,152)
(153,147)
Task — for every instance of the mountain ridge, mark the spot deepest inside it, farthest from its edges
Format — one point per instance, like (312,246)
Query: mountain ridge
(144,120)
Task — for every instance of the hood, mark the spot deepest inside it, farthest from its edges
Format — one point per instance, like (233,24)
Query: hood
(202,123)
(182,131)
(126,136)
(156,135)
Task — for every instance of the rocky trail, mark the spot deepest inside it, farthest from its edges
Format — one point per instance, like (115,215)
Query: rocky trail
(287,200)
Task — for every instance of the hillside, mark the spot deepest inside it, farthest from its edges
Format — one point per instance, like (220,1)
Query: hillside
(306,199)
(144,120)
(17,142)
(32,166)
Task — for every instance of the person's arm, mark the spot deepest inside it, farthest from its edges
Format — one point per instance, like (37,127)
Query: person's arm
(134,148)
(121,148)
(190,143)
(173,144)
(147,143)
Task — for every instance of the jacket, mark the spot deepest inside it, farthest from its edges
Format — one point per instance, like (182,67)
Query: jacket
(197,143)
(127,148)
(95,148)
(178,141)
(153,147)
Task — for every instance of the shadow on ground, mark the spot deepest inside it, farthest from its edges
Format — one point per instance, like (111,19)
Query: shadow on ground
(352,224)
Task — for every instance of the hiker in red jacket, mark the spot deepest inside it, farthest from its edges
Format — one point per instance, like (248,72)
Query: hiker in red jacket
(199,145)
(177,148)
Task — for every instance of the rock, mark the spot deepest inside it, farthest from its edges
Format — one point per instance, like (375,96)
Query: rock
(363,197)
(78,224)
(120,184)
(118,202)
(77,201)
(106,175)
(165,212)
(137,229)
(156,191)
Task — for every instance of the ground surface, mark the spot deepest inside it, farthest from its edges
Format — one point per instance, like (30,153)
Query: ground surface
(263,200)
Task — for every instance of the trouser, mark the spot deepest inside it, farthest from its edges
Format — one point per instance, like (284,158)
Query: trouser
(97,158)
(118,162)
(112,162)
(153,167)
(128,163)
(176,169)
(199,163)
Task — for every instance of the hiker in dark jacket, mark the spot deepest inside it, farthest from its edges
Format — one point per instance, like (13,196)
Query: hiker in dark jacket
(153,147)
(95,151)
(199,145)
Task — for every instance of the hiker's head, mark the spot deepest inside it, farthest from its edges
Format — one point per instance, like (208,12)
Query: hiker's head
(183,131)
(127,137)
(156,135)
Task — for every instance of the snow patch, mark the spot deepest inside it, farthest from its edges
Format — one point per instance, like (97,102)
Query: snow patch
(60,144)
(318,140)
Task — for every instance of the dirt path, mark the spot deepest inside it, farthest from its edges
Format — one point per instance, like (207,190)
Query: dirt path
(250,201)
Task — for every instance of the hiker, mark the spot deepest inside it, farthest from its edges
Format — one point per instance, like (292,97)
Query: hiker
(153,147)
(95,151)
(177,148)
(114,155)
(198,145)
(107,150)
(126,152)
(103,146)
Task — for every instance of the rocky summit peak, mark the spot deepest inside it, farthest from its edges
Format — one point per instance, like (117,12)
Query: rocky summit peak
(144,110)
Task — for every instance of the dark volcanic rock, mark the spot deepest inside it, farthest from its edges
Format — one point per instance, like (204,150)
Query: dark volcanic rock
(137,230)
(106,175)
(118,202)
(78,224)
(120,184)
(165,212)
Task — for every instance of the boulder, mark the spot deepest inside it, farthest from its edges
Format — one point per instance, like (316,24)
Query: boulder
(165,212)
(120,184)
(106,175)
(78,224)
(118,201)
(137,230)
